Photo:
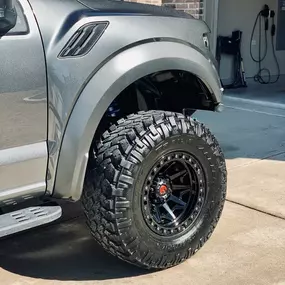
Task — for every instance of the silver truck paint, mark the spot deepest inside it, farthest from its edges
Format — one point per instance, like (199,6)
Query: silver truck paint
(76,91)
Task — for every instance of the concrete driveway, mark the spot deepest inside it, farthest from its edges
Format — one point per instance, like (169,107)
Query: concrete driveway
(248,246)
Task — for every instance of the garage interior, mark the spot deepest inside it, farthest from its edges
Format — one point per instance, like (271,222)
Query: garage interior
(241,15)
(225,16)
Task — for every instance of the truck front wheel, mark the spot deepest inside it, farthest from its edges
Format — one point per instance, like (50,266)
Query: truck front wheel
(157,189)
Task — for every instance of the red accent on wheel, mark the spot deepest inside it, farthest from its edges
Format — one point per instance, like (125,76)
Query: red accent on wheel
(163,190)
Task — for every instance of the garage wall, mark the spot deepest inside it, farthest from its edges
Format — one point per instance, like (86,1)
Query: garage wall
(241,15)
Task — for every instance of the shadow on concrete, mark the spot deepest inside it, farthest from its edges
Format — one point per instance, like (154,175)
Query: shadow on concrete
(65,252)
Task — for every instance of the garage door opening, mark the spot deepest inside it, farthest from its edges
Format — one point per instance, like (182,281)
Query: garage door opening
(226,16)
(257,44)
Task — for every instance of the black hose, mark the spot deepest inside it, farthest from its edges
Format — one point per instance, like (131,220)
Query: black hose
(276,61)
(259,77)
(252,34)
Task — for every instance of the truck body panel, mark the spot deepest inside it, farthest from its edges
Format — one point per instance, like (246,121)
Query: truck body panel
(138,40)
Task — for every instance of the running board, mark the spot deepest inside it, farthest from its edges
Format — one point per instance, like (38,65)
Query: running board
(28,218)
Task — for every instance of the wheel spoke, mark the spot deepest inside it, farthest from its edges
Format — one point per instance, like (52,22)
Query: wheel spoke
(169,211)
(178,174)
(180,187)
(182,193)
(168,167)
(157,214)
(177,200)
(177,208)
(166,217)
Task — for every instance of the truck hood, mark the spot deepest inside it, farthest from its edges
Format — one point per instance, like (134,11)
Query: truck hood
(114,7)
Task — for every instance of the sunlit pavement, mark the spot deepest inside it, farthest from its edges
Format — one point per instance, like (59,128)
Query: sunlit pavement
(248,246)
(253,139)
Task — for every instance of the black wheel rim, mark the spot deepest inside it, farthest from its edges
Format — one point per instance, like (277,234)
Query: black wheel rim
(174,194)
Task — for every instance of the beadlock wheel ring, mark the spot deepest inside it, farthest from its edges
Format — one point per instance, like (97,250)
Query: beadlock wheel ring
(176,208)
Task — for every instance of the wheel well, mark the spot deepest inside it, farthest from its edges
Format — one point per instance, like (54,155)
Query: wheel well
(169,90)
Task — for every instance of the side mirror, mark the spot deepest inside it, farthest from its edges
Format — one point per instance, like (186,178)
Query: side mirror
(8,16)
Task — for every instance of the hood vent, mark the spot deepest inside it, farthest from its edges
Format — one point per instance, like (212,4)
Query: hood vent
(83,40)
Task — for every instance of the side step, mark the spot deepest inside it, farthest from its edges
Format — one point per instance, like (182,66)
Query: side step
(28,218)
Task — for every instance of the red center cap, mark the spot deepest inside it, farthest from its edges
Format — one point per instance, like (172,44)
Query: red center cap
(162,189)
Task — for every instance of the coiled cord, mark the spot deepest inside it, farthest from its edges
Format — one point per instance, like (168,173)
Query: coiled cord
(259,77)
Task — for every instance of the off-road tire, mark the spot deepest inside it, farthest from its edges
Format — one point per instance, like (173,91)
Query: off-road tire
(111,188)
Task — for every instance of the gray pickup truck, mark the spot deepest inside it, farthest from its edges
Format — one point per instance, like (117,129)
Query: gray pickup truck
(96,99)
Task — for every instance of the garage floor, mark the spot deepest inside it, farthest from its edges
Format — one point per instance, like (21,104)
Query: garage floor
(272,95)
(248,246)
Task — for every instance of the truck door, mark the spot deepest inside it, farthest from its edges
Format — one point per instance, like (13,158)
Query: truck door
(23,110)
